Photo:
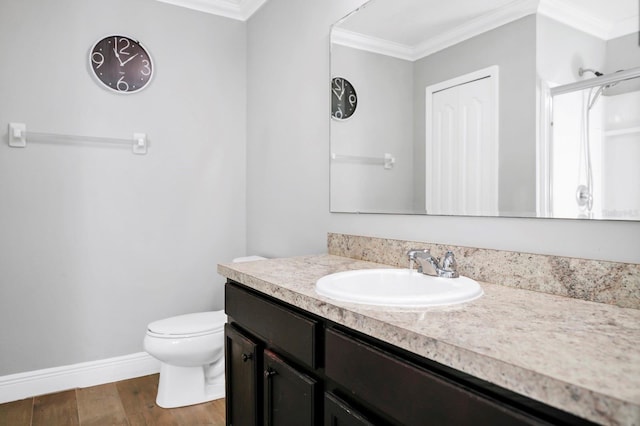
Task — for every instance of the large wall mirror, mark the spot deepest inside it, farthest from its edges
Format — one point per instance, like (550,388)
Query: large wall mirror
(513,108)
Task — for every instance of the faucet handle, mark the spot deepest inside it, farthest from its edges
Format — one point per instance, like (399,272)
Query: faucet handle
(450,266)
(449,260)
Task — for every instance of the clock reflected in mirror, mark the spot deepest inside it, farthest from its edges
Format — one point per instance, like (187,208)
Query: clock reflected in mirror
(121,64)
(344,99)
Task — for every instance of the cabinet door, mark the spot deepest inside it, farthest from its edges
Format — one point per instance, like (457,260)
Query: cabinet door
(241,369)
(339,413)
(289,395)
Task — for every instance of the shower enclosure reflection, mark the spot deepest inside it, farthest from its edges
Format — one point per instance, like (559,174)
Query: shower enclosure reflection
(597,123)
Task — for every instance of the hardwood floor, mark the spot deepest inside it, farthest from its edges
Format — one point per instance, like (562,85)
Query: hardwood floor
(129,402)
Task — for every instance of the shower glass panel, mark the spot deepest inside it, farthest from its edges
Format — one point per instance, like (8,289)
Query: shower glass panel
(595,148)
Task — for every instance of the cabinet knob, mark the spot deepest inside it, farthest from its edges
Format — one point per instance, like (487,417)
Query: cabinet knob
(270,372)
(247,357)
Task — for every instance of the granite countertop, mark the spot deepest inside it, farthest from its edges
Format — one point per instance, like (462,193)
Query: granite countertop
(582,357)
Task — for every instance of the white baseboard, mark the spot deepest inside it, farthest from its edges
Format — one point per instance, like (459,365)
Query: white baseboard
(39,382)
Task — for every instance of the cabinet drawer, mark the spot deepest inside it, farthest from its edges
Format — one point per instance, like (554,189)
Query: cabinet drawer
(278,326)
(409,394)
(339,413)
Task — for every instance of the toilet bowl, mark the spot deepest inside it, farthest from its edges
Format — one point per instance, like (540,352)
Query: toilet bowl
(191,351)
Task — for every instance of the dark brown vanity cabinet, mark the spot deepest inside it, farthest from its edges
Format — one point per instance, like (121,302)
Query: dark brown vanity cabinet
(271,354)
(286,366)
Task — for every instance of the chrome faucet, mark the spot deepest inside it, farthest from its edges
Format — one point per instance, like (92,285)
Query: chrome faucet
(429,265)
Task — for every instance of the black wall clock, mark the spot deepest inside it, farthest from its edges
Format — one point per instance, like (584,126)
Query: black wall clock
(121,64)
(343,98)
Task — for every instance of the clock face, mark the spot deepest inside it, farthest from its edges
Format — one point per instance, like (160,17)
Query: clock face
(121,64)
(343,98)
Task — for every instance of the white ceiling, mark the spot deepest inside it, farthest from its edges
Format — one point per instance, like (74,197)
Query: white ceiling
(235,9)
(410,22)
(421,20)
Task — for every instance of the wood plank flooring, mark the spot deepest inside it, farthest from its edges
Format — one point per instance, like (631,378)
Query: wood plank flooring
(129,402)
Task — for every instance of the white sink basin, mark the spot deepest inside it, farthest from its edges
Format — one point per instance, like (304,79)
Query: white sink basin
(397,287)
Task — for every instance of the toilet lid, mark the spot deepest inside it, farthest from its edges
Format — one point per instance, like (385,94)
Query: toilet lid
(182,325)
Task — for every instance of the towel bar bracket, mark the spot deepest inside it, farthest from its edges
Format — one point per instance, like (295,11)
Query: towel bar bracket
(17,135)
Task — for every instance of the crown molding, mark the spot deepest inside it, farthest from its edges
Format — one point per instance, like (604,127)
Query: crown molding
(625,27)
(371,44)
(554,9)
(516,10)
(586,22)
(573,17)
(240,10)
(475,27)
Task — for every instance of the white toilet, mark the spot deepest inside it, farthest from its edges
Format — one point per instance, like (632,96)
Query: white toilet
(191,351)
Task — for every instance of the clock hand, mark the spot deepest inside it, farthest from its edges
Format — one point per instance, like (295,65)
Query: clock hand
(122,63)
(339,84)
(118,57)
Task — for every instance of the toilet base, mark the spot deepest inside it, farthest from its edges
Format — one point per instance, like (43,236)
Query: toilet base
(182,386)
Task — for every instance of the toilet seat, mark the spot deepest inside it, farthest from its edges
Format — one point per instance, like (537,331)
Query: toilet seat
(189,325)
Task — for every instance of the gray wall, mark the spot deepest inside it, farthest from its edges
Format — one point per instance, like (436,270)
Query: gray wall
(288,148)
(288,118)
(96,242)
(382,123)
(623,53)
(562,50)
(512,47)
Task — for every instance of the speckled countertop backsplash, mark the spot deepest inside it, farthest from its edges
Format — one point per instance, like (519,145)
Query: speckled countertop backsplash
(592,280)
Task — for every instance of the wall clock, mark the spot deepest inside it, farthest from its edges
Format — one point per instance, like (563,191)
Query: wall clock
(121,64)
(343,98)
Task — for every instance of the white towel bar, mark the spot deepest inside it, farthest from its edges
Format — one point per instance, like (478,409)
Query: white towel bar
(18,136)
(387,161)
